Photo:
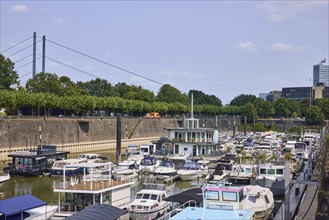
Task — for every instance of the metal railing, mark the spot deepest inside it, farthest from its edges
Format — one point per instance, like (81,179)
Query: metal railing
(177,210)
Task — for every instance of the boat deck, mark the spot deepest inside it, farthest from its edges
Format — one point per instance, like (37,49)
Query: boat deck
(91,186)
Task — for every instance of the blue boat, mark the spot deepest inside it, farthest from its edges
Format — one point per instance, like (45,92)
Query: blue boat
(69,165)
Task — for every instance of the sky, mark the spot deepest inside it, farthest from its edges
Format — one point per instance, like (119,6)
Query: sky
(222,48)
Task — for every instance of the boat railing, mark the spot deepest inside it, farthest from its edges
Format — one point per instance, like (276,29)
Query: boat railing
(190,203)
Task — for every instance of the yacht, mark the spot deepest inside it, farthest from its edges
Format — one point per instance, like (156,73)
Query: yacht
(301,151)
(190,171)
(272,177)
(243,174)
(92,158)
(290,145)
(265,147)
(149,163)
(165,170)
(149,202)
(124,169)
(258,199)
(69,166)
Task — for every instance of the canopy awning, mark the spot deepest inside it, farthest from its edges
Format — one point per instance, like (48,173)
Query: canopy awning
(194,194)
(98,212)
(20,204)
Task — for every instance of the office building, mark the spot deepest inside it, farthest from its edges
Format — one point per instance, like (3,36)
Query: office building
(263,95)
(321,73)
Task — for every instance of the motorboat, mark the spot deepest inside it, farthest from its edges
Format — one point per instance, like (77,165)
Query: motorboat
(124,169)
(243,174)
(149,202)
(258,199)
(165,169)
(272,177)
(301,151)
(34,162)
(92,158)
(131,149)
(289,146)
(190,171)
(4,177)
(265,147)
(149,163)
(41,213)
(69,165)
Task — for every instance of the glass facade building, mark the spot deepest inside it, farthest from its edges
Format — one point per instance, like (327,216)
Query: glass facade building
(297,93)
(321,74)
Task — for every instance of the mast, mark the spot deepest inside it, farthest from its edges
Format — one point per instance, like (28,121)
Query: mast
(192,115)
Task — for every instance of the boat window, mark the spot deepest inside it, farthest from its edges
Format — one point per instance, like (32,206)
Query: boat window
(212,195)
(163,197)
(154,197)
(262,171)
(139,207)
(252,199)
(139,196)
(271,171)
(242,170)
(279,171)
(229,196)
(266,199)
(146,196)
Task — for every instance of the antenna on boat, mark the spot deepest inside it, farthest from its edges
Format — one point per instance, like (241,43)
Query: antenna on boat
(192,115)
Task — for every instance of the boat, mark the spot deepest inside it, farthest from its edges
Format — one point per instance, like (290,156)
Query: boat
(165,170)
(265,147)
(149,202)
(41,213)
(301,151)
(92,188)
(131,148)
(243,174)
(4,178)
(124,169)
(258,199)
(34,162)
(58,167)
(273,177)
(148,163)
(190,171)
(289,146)
(219,202)
(92,158)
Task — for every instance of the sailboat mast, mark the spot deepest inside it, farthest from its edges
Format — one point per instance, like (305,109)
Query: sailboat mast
(192,115)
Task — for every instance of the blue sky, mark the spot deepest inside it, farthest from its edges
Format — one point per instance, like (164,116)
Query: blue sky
(223,48)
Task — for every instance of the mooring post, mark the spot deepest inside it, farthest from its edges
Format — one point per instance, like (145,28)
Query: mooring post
(118,148)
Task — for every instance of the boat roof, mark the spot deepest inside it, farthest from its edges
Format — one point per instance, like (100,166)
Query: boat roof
(27,154)
(19,204)
(225,189)
(196,213)
(100,212)
(90,165)
(150,191)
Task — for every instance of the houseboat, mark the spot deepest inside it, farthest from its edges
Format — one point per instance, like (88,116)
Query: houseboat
(149,202)
(34,162)
(92,188)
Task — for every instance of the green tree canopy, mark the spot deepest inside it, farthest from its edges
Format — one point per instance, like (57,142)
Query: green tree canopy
(44,82)
(8,76)
(170,94)
(201,98)
(314,116)
(242,100)
(98,87)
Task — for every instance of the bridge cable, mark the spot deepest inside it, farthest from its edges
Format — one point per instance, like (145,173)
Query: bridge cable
(16,44)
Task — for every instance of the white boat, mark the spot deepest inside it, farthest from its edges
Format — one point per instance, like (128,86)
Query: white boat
(42,213)
(265,147)
(190,171)
(258,199)
(149,163)
(4,178)
(58,167)
(131,149)
(290,145)
(92,158)
(243,174)
(149,202)
(165,170)
(272,177)
(124,169)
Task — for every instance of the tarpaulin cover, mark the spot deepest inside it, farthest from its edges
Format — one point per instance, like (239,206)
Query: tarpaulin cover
(98,212)
(19,204)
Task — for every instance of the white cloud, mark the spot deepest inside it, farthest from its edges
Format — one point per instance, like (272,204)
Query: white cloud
(58,21)
(18,8)
(281,10)
(246,46)
(282,47)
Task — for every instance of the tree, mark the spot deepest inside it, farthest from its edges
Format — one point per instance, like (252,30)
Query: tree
(314,116)
(98,87)
(44,82)
(8,76)
(249,111)
(264,108)
(200,98)
(242,100)
(170,94)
